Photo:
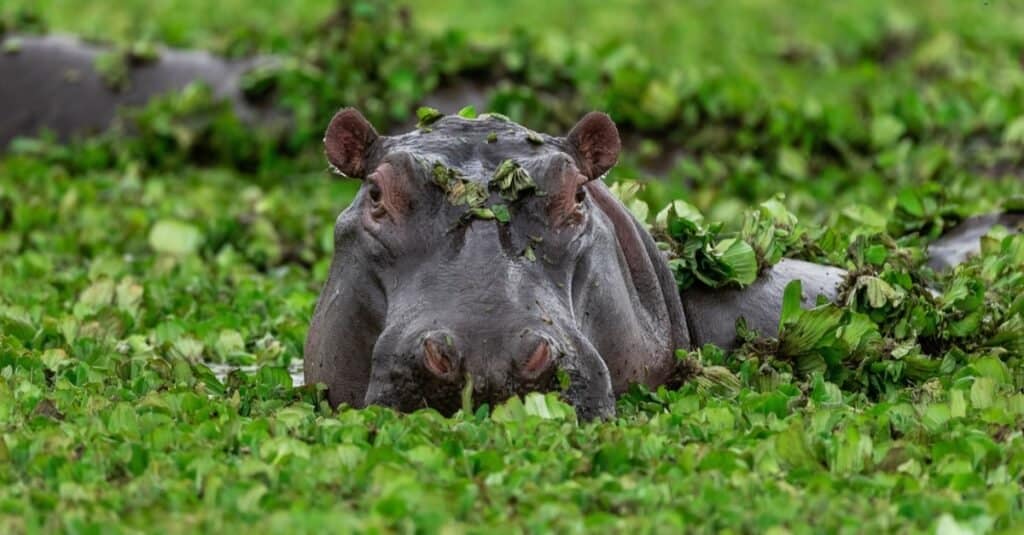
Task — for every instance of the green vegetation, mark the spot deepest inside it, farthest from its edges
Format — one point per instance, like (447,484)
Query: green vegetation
(130,267)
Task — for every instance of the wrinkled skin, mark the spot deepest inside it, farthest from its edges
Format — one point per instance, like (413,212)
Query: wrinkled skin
(421,299)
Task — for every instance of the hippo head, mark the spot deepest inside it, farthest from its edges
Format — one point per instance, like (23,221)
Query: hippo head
(479,252)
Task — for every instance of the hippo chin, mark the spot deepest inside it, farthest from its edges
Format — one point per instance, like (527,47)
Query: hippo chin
(480,251)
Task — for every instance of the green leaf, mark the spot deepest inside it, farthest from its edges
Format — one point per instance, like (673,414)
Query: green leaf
(500,212)
(177,238)
(468,112)
(886,130)
(511,181)
(983,392)
(792,163)
(427,116)
(740,258)
(792,301)
(1014,132)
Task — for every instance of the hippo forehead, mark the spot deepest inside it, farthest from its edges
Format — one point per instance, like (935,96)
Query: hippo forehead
(476,147)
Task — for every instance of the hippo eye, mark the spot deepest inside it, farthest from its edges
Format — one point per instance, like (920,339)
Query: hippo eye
(375,193)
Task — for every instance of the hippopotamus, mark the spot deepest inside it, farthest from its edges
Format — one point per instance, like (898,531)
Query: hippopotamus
(480,254)
(52,83)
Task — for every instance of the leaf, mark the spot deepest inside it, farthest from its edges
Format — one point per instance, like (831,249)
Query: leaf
(55,359)
(468,112)
(500,212)
(792,301)
(792,163)
(427,116)
(983,392)
(511,181)
(96,297)
(481,213)
(853,452)
(229,343)
(886,130)
(879,292)
(176,238)
(792,448)
(1014,132)
(740,258)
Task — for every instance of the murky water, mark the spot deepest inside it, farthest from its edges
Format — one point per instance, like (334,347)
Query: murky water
(222,371)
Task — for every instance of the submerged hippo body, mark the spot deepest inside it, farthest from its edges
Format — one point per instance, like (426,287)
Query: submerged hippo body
(712,313)
(424,294)
(961,242)
(52,83)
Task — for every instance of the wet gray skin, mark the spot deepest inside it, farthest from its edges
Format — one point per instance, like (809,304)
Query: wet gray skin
(422,297)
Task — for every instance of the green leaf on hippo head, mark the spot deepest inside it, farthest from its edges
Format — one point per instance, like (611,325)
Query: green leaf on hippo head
(427,116)
(480,213)
(468,112)
(511,180)
(500,212)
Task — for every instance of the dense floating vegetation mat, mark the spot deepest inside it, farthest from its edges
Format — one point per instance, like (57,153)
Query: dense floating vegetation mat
(127,270)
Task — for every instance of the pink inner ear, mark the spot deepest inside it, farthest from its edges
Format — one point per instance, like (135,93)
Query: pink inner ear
(347,142)
(596,142)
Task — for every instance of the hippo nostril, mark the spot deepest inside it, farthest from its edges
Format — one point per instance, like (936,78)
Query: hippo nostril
(435,359)
(539,360)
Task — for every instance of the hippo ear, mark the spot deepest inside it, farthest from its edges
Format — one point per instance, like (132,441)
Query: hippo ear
(347,142)
(595,143)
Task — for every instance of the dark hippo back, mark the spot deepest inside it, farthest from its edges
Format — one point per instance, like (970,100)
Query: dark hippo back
(51,83)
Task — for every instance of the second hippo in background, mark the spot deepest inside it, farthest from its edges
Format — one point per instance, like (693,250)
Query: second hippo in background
(52,83)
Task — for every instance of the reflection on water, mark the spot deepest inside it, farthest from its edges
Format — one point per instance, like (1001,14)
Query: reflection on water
(222,370)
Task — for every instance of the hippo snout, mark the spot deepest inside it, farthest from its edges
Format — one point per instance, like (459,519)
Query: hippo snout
(432,367)
(530,358)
